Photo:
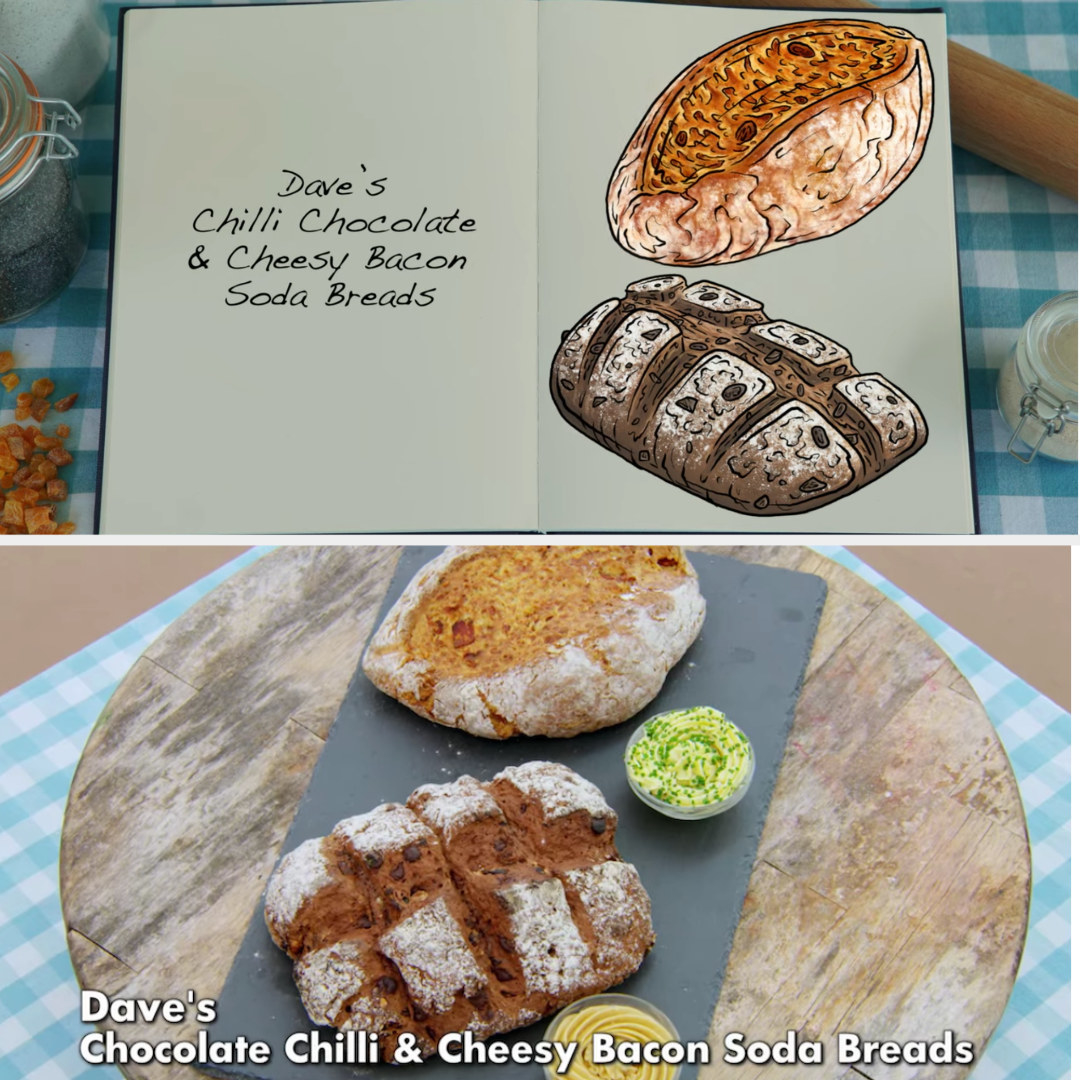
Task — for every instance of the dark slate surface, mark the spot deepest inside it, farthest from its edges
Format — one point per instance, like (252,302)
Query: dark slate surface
(748,661)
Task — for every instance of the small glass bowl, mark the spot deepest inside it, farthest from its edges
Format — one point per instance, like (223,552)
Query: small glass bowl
(627,1001)
(687,813)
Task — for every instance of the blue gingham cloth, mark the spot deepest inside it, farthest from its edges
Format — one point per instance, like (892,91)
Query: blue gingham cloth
(1017,249)
(44,725)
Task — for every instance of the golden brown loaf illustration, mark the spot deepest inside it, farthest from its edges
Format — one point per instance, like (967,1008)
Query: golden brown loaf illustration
(785,135)
(475,906)
(699,387)
(503,641)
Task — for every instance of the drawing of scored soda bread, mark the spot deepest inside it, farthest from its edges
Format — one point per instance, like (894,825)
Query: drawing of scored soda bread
(475,906)
(785,135)
(555,641)
(699,387)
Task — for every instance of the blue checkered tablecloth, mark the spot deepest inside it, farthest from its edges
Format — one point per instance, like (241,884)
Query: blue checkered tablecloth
(44,725)
(1017,249)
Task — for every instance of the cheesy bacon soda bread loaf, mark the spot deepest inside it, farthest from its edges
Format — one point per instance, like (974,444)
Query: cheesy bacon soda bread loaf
(555,641)
(699,387)
(784,135)
(475,906)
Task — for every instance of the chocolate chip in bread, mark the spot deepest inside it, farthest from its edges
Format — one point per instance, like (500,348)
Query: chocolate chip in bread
(697,385)
(785,135)
(478,906)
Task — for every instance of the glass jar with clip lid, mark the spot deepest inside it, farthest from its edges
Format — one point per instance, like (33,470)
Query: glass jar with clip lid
(43,230)
(1036,388)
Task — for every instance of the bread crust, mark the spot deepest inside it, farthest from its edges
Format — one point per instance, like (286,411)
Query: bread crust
(474,906)
(827,146)
(755,415)
(581,682)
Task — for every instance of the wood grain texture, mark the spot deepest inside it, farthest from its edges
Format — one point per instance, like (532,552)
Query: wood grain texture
(889,896)
(997,112)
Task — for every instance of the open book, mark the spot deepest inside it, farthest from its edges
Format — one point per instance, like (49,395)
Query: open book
(571,265)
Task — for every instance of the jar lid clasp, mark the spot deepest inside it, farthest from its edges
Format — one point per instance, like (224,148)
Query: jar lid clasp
(1050,425)
(58,111)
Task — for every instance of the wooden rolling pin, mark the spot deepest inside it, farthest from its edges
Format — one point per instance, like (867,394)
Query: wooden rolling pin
(998,113)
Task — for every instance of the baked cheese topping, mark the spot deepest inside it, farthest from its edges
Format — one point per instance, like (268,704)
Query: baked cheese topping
(504,606)
(736,96)
(690,757)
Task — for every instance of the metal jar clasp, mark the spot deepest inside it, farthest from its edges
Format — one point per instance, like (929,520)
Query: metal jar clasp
(57,147)
(1053,425)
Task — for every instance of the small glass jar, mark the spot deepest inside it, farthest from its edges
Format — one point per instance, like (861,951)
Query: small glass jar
(43,230)
(1036,388)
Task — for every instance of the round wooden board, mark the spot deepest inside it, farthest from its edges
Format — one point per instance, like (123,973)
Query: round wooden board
(889,896)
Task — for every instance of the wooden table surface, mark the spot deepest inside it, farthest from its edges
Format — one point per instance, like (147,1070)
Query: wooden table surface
(889,896)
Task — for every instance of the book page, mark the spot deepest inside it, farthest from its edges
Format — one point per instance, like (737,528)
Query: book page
(828,394)
(324,294)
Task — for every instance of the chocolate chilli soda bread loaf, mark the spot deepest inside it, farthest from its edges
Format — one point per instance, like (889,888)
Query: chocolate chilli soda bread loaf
(503,641)
(475,907)
(698,386)
(785,135)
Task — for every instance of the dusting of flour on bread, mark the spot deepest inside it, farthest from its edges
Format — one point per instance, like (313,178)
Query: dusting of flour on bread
(300,876)
(450,807)
(558,789)
(614,899)
(551,641)
(382,829)
(553,956)
(477,906)
(433,957)
(333,977)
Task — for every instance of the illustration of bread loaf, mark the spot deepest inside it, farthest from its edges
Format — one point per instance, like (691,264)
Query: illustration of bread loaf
(476,906)
(785,135)
(699,387)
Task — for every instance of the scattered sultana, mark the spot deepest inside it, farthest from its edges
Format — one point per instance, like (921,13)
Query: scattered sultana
(39,519)
(30,462)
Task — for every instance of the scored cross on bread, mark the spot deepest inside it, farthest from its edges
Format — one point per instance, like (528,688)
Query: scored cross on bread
(475,906)
(697,385)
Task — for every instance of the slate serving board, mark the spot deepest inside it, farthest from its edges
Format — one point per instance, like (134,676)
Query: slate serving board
(748,661)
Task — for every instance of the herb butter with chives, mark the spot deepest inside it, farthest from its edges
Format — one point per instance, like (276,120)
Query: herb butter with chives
(690,758)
